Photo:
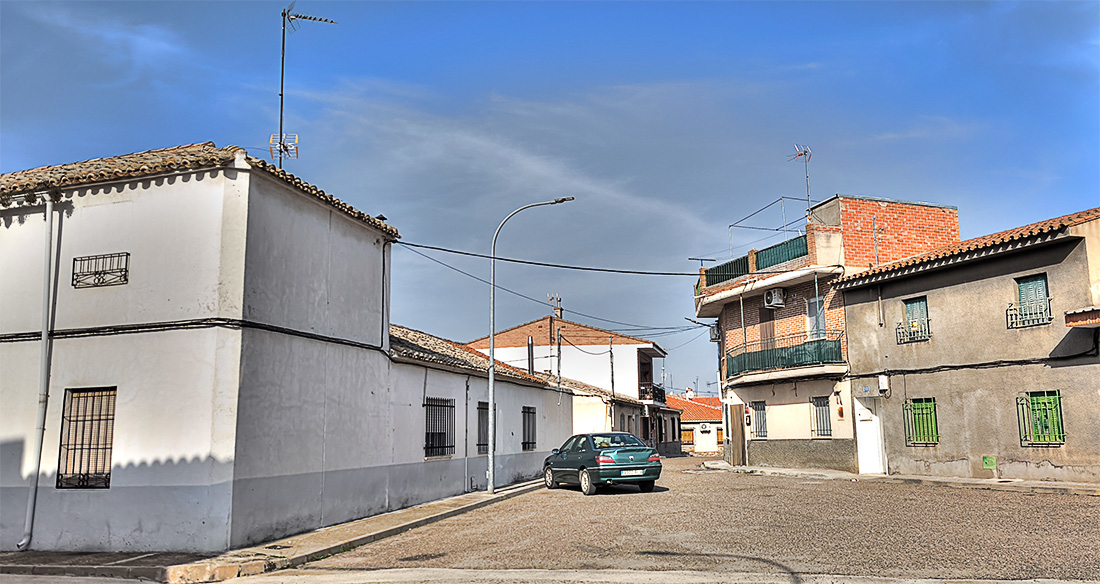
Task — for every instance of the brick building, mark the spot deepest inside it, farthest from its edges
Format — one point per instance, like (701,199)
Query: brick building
(782,331)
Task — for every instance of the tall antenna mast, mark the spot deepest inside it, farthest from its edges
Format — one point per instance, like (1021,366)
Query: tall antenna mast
(283,145)
(802,151)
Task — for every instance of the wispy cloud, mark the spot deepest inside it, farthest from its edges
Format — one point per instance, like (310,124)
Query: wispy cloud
(932,128)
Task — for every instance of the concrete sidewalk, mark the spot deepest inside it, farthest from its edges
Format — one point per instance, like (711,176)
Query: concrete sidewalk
(176,568)
(959,482)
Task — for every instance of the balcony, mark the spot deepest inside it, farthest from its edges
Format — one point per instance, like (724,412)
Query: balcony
(651,392)
(787,352)
(916,330)
(1029,314)
(764,259)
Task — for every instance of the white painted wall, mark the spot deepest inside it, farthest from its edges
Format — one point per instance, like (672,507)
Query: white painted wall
(582,365)
(176,412)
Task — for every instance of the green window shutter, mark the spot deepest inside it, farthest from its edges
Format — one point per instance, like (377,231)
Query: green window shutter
(1032,289)
(1040,414)
(921,428)
(916,309)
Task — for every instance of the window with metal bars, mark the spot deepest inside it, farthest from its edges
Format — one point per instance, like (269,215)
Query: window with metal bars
(759,419)
(822,425)
(529,437)
(439,426)
(111,269)
(921,428)
(916,326)
(482,427)
(1033,307)
(87,433)
(1040,416)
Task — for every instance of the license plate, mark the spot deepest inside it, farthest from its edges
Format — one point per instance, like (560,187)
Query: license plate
(633,473)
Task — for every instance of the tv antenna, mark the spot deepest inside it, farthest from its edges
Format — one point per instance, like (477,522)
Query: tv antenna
(802,151)
(284,145)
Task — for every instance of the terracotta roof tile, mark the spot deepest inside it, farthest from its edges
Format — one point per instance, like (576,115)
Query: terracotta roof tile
(633,340)
(579,387)
(157,162)
(981,242)
(694,411)
(420,346)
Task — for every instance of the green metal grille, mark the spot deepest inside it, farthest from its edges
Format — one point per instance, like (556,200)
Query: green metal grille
(786,352)
(728,271)
(1040,416)
(921,428)
(783,252)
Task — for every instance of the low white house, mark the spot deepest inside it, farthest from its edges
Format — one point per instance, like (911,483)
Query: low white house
(210,338)
(619,364)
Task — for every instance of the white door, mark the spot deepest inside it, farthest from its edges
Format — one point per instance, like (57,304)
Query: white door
(870,450)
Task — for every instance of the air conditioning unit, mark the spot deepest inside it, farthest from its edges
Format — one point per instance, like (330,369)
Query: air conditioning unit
(715,333)
(775,298)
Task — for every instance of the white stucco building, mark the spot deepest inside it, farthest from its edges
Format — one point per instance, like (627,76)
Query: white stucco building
(219,364)
(619,364)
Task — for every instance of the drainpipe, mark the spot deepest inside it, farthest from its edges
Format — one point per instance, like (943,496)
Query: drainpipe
(44,379)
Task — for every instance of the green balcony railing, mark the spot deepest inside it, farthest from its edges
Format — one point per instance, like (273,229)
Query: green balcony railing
(786,352)
(782,252)
(727,271)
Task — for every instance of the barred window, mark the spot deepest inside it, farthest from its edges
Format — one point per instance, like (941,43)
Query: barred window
(439,426)
(759,420)
(1034,303)
(87,434)
(822,419)
(111,269)
(921,428)
(1040,415)
(482,427)
(529,439)
(916,326)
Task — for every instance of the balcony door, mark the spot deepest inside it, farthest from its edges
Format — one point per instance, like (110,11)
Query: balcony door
(767,328)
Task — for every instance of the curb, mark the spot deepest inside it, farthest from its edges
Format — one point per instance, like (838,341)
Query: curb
(252,561)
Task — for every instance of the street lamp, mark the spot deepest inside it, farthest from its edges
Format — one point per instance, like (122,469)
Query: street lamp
(492,336)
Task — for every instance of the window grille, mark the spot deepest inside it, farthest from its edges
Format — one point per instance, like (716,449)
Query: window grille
(482,427)
(916,326)
(921,428)
(529,438)
(822,418)
(1040,416)
(1033,307)
(759,420)
(112,269)
(87,434)
(439,424)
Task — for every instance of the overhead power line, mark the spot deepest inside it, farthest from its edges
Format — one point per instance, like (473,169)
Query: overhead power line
(549,265)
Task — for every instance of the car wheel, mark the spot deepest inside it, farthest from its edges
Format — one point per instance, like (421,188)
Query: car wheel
(587,486)
(646,486)
(548,478)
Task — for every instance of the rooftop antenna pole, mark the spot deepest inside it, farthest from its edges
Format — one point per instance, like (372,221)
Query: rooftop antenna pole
(802,151)
(280,148)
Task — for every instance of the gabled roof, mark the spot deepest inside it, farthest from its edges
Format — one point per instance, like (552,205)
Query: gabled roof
(694,411)
(159,162)
(978,243)
(581,388)
(627,339)
(414,345)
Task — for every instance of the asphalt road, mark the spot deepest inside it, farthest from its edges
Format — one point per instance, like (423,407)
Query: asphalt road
(791,528)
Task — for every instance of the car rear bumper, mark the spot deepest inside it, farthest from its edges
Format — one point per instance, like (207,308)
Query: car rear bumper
(629,474)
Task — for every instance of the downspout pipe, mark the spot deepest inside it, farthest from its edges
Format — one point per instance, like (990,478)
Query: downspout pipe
(44,379)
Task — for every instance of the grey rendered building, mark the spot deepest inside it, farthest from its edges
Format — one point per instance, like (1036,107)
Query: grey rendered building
(980,359)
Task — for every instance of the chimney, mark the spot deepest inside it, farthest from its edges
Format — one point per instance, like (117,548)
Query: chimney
(530,355)
(689,394)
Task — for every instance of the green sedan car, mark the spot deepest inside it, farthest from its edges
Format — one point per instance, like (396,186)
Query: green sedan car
(604,458)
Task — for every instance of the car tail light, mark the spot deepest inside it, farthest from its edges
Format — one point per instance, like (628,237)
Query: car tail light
(604,459)
(654,457)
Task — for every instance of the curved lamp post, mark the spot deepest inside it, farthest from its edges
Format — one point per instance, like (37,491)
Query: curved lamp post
(492,337)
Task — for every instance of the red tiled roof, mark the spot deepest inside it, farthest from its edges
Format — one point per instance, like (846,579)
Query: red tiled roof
(634,340)
(157,162)
(579,387)
(981,242)
(420,346)
(694,411)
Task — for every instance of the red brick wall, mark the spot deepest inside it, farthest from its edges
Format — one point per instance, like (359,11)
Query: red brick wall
(904,230)
(792,319)
(545,333)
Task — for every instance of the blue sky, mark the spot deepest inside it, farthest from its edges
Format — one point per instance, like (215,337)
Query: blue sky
(666,120)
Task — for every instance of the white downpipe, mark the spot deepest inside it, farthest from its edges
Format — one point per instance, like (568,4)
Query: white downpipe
(44,379)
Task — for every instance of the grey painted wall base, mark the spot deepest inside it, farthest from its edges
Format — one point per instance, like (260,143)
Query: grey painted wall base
(831,454)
